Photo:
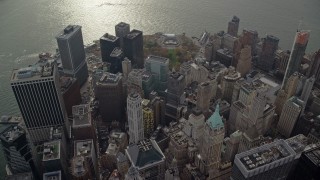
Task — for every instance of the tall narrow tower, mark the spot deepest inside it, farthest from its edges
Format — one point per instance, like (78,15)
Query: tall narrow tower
(135,118)
(298,50)
(122,29)
(233,26)
(73,58)
(133,48)
(211,143)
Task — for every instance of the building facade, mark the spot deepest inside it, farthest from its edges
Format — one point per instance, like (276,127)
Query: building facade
(267,56)
(289,116)
(38,94)
(122,29)
(108,91)
(209,156)
(107,43)
(135,118)
(159,68)
(133,48)
(233,26)
(16,150)
(298,51)
(270,161)
(71,49)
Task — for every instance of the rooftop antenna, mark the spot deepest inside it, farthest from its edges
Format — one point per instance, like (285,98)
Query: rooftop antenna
(300,24)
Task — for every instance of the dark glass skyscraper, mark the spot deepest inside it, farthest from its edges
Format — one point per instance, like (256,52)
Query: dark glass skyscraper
(116,58)
(37,91)
(107,44)
(17,151)
(267,57)
(133,48)
(122,29)
(233,26)
(73,58)
(297,53)
(176,84)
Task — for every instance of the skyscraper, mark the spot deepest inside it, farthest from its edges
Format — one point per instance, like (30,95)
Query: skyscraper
(17,151)
(126,68)
(71,49)
(107,43)
(37,91)
(148,121)
(227,83)
(122,29)
(159,67)
(148,159)
(175,86)
(203,101)
(267,56)
(244,61)
(297,53)
(270,161)
(133,48)
(55,157)
(135,118)
(290,89)
(233,26)
(250,38)
(116,58)
(307,88)
(314,69)
(210,145)
(289,116)
(281,61)
(108,91)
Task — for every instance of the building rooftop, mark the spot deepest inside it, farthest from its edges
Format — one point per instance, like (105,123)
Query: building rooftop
(11,133)
(250,31)
(112,149)
(225,52)
(136,73)
(302,37)
(109,37)
(235,19)
(56,175)
(116,52)
(176,75)
(41,69)
(146,76)
(51,150)
(81,115)
(134,95)
(269,82)
(215,121)
(232,74)
(68,31)
(298,143)
(264,158)
(133,34)
(79,166)
(122,24)
(106,78)
(66,82)
(157,59)
(254,85)
(313,154)
(145,154)
(83,147)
